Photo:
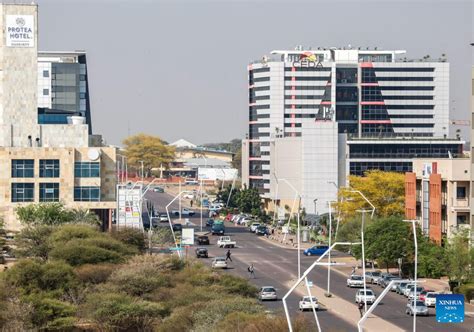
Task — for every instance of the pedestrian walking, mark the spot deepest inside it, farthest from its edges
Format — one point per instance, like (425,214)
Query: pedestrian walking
(353,270)
(251,271)
(361,308)
(227,256)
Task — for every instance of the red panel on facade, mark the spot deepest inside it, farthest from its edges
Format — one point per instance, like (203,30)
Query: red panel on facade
(372,103)
(325,103)
(410,195)
(366,65)
(435,232)
(434,167)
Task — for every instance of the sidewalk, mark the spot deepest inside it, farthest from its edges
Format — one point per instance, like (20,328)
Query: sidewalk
(345,309)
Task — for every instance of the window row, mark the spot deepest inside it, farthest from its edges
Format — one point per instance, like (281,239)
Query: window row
(49,192)
(50,168)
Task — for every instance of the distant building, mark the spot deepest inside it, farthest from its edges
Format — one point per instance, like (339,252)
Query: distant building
(438,196)
(43,160)
(63,87)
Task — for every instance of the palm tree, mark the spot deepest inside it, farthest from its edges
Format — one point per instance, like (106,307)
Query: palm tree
(84,216)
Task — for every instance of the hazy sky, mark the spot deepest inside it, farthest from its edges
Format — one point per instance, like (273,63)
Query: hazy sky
(177,69)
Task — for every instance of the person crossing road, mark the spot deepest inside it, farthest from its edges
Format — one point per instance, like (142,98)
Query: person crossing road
(227,256)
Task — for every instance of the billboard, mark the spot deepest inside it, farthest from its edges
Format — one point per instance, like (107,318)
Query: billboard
(228,174)
(187,237)
(129,202)
(20,31)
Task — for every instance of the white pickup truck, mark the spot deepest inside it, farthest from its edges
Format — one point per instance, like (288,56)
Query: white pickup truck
(226,242)
(184,212)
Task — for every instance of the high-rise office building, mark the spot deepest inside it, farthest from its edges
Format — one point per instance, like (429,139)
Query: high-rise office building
(63,89)
(378,100)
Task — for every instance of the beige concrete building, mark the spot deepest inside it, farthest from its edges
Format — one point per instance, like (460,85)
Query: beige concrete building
(438,195)
(44,162)
(472,154)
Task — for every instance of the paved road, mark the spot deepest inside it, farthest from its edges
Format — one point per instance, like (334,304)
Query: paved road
(276,266)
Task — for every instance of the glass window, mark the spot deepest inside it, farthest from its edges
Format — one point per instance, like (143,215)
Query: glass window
(45,92)
(461,192)
(49,192)
(49,168)
(23,192)
(86,194)
(86,170)
(23,168)
(45,73)
(461,219)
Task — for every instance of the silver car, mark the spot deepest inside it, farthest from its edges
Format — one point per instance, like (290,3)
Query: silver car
(267,293)
(372,276)
(419,306)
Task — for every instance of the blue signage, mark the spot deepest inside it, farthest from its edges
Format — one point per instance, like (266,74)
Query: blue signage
(450,308)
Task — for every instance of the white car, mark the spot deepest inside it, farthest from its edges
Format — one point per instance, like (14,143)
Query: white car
(226,242)
(411,295)
(188,196)
(305,303)
(430,299)
(267,293)
(355,281)
(369,296)
(408,289)
(247,220)
(184,212)
(219,263)
(253,226)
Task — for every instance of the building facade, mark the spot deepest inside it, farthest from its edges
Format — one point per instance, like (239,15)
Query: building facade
(438,196)
(43,161)
(63,89)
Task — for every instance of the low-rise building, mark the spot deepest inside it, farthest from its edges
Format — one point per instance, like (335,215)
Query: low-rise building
(438,196)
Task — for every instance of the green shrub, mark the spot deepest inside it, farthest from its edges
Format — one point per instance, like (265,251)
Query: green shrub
(467,290)
(76,253)
(131,236)
(237,285)
(261,323)
(33,241)
(48,313)
(122,312)
(69,232)
(94,273)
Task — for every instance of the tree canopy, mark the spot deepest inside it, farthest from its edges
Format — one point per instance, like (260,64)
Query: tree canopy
(386,190)
(152,150)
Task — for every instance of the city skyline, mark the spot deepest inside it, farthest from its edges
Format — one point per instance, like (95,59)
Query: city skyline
(164,85)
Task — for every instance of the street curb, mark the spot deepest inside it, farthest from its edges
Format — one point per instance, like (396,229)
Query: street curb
(278,244)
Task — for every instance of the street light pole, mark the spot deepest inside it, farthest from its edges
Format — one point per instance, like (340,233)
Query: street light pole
(413,223)
(328,293)
(363,257)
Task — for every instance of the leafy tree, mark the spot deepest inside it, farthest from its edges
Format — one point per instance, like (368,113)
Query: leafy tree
(388,239)
(223,195)
(248,201)
(43,214)
(386,190)
(33,241)
(130,236)
(459,258)
(237,161)
(431,259)
(152,150)
(84,216)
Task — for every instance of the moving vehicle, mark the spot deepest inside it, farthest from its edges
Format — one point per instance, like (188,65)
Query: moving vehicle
(418,306)
(163,217)
(226,242)
(355,281)
(267,293)
(215,207)
(177,227)
(369,296)
(305,303)
(219,263)
(253,226)
(201,253)
(191,182)
(372,276)
(203,239)
(158,190)
(184,212)
(188,196)
(262,230)
(218,228)
(245,221)
(317,250)
(430,299)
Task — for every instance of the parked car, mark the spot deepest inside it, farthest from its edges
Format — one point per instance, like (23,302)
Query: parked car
(201,253)
(355,281)
(316,250)
(408,289)
(423,294)
(177,227)
(203,239)
(385,280)
(383,275)
(226,242)
(401,287)
(158,190)
(163,217)
(191,182)
(372,276)
(394,286)
(219,263)
(184,212)
(218,228)
(412,294)
(253,226)
(369,296)
(246,221)
(262,230)
(305,303)
(430,299)
(418,306)
(209,222)
(267,293)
